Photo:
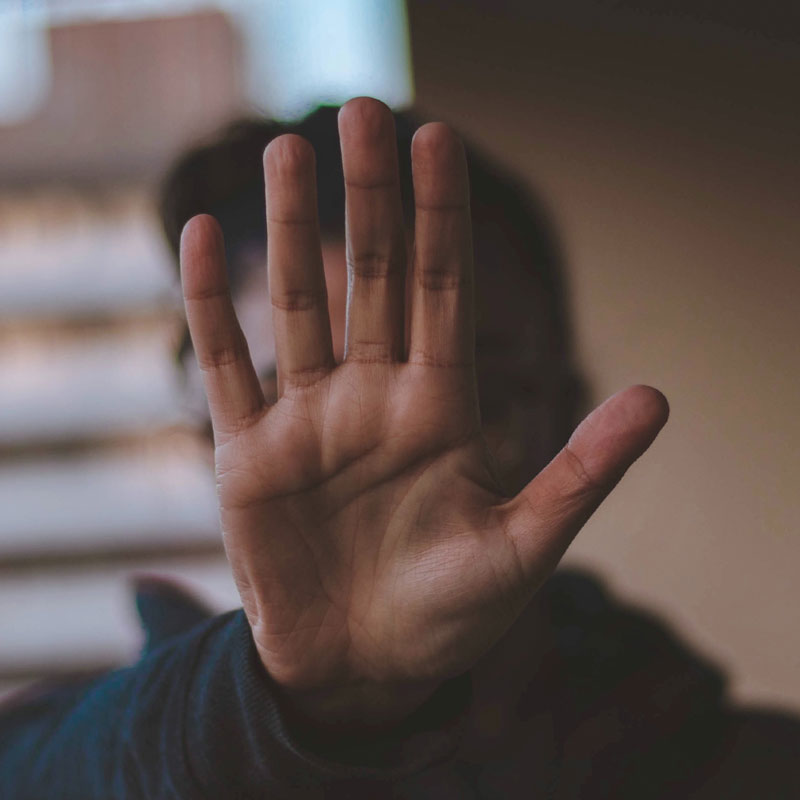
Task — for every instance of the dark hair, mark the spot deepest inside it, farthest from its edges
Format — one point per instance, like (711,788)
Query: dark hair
(223,177)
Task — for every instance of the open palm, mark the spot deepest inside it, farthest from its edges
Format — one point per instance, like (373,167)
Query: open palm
(369,538)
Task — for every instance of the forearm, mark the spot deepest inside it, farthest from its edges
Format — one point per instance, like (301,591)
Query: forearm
(196,718)
(122,735)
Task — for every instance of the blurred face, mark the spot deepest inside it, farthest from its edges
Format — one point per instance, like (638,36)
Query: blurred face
(517,378)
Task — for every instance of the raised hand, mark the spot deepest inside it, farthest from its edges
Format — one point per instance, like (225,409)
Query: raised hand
(375,552)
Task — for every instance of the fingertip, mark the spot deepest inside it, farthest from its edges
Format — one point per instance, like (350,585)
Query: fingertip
(439,166)
(618,431)
(646,406)
(365,117)
(368,143)
(201,234)
(201,226)
(437,141)
(288,154)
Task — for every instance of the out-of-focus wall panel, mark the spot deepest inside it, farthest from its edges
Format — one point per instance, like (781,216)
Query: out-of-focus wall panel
(126,96)
(668,156)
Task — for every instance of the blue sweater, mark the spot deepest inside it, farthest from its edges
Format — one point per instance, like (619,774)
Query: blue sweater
(621,709)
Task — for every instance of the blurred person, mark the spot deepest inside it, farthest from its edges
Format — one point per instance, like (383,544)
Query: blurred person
(401,634)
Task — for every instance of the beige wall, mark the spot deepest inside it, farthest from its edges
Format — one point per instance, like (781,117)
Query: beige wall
(670,163)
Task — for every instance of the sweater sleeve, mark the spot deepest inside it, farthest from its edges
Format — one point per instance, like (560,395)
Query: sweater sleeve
(198,717)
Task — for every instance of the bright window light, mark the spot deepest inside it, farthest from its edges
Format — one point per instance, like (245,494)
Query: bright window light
(298,54)
(306,53)
(24,63)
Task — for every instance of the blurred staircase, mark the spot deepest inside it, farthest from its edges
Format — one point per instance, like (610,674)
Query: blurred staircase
(103,471)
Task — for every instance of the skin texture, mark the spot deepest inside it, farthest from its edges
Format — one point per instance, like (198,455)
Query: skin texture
(374,549)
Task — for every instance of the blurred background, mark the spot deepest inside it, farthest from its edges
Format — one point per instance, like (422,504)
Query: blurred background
(662,137)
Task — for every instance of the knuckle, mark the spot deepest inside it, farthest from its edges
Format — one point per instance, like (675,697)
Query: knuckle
(208,293)
(374,266)
(305,377)
(363,351)
(585,483)
(299,300)
(430,358)
(221,357)
(440,279)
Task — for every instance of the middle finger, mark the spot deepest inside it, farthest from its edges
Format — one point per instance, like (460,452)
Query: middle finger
(376,244)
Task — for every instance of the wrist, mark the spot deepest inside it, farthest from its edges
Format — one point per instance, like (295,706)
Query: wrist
(358,711)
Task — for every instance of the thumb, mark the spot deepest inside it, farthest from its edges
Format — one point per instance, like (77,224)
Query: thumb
(547,514)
